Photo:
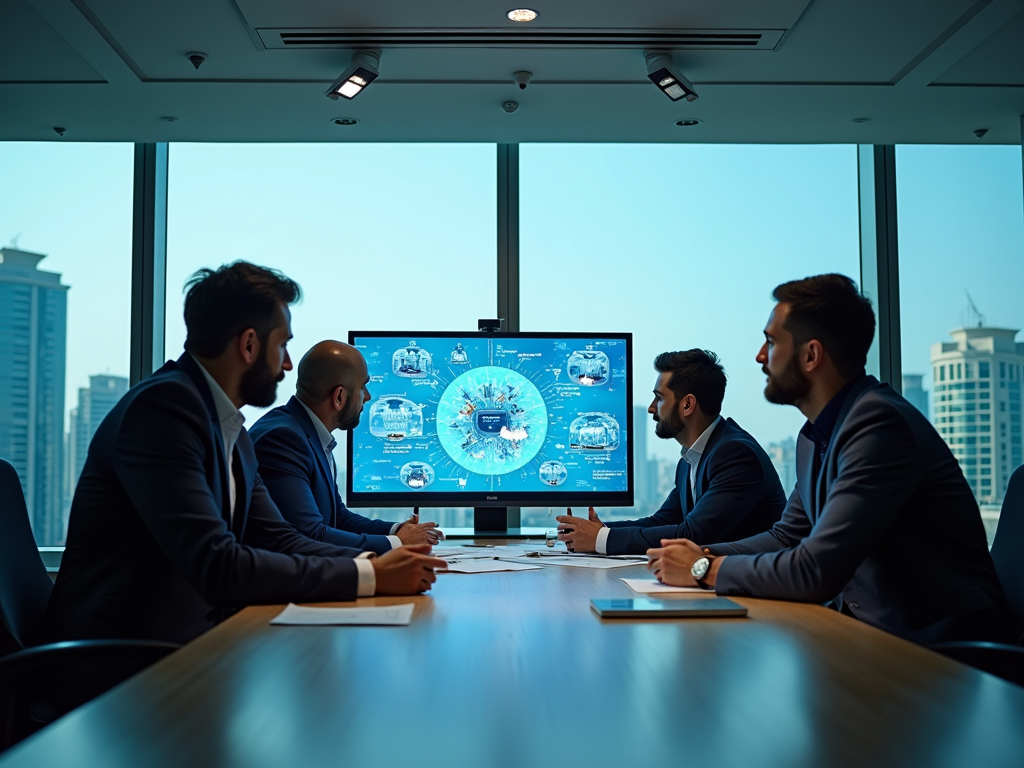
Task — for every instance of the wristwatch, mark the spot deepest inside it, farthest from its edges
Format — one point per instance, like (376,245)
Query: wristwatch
(699,570)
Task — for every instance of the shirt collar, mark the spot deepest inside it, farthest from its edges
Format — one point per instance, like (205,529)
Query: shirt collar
(326,438)
(231,419)
(695,451)
(820,431)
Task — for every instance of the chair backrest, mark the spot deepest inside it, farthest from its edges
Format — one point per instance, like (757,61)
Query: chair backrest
(25,586)
(1008,547)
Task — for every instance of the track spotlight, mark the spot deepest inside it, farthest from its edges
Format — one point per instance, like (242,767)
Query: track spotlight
(663,73)
(360,73)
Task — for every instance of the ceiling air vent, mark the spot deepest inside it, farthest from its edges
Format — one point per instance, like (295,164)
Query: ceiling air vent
(669,39)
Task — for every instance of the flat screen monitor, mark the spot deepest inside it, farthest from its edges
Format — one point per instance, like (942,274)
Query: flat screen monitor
(493,420)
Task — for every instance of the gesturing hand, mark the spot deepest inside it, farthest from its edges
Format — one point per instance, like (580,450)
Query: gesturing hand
(579,534)
(406,570)
(413,532)
(672,562)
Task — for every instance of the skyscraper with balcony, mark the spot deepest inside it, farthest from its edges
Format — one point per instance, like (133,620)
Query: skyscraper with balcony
(33,338)
(977,385)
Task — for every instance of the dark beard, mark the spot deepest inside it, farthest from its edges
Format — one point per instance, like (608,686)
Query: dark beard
(668,428)
(258,386)
(788,386)
(349,417)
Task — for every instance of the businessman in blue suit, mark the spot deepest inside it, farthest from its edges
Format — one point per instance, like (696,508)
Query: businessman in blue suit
(882,521)
(726,486)
(294,447)
(171,528)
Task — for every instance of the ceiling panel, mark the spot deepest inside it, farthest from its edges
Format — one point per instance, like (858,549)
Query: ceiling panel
(32,51)
(997,61)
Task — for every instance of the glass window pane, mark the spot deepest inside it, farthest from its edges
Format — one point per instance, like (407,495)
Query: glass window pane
(961,246)
(380,237)
(65,306)
(682,245)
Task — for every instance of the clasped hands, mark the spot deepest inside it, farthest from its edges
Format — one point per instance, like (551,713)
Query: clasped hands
(413,532)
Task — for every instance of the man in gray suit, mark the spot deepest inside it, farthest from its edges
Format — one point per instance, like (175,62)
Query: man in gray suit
(882,520)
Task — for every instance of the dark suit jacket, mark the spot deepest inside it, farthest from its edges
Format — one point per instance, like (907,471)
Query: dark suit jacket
(737,493)
(150,549)
(294,467)
(889,527)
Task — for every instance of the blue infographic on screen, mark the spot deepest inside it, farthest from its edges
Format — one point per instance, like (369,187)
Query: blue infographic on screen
(473,414)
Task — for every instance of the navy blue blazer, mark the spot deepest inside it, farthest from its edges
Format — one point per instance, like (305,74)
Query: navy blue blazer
(889,528)
(152,550)
(294,467)
(737,493)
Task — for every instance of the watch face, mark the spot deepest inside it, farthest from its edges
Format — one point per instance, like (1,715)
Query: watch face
(700,567)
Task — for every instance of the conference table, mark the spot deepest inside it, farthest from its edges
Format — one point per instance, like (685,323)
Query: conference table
(515,669)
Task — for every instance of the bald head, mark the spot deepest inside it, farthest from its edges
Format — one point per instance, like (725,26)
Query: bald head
(332,380)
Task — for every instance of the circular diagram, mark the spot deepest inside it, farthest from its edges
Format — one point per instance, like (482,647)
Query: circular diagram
(589,369)
(552,473)
(594,432)
(492,420)
(395,418)
(416,475)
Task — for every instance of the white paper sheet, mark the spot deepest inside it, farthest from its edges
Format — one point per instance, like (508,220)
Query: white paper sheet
(577,561)
(489,565)
(651,586)
(384,615)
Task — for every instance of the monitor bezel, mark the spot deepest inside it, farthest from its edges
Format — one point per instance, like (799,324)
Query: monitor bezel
(542,498)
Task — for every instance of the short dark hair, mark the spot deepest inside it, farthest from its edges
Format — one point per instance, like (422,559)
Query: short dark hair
(696,372)
(221,303)
(831,309)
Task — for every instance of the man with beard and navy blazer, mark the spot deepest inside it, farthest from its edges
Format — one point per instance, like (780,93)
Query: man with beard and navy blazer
(882,521)
(171,528)
(294,447)
(726,486)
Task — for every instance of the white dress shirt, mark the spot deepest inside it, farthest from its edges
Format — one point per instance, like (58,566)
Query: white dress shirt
(328,442)
(231,420)
(692,456)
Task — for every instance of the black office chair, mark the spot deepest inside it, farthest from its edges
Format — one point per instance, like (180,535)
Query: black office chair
(1005,661)
(39,683)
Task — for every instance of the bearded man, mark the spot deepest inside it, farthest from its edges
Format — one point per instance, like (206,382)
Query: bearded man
(882,522)
(726,486)
(295,451)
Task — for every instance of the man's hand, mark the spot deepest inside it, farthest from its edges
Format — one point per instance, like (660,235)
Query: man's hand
(406,570)
(673,561)
(579,534)
(412,532)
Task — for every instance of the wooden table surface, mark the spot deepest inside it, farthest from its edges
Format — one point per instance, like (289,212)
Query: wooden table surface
(514,669)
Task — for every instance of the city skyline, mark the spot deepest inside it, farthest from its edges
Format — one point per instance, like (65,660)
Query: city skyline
(751,217)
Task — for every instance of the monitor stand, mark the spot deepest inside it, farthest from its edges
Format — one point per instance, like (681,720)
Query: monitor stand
(490,520)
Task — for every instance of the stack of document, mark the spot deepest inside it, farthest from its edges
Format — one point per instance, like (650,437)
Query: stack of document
(385,615)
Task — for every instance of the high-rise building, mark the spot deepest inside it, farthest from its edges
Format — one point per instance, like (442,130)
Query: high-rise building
(645,471)
(94,403)
(977,381)
(33,338)
(783,456)
(915,393)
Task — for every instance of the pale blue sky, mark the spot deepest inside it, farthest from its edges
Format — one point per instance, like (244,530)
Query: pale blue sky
(680,244)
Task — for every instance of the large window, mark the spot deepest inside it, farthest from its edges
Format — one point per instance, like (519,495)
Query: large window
(682,245)
(961,252)
(65,303)
(380,237)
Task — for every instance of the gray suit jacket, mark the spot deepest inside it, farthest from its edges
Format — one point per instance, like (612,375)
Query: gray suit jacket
(889,527)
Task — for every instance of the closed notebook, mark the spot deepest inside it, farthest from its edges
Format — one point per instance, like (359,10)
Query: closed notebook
(635,607)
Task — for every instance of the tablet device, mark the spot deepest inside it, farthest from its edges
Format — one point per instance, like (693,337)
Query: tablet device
(636,607)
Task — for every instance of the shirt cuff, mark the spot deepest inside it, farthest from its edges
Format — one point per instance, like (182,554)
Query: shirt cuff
(367,584)
(395,542)
(601,545)
(394,528)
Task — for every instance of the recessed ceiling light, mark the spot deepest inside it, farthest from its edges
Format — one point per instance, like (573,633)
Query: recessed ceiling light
(688,123)
(522,15)
(860,120)
(344,121)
